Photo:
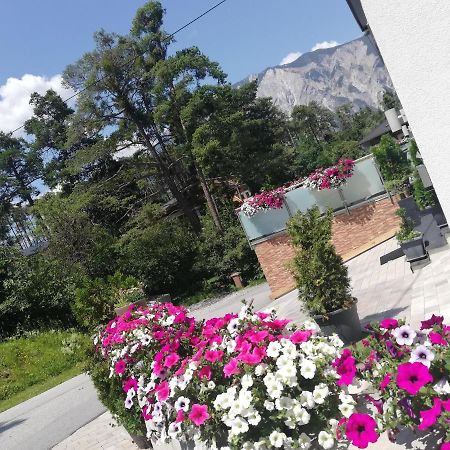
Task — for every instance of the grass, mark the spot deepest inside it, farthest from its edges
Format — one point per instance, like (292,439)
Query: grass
(33,364)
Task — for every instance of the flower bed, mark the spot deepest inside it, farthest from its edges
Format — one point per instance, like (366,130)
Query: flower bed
(329,178)
(253,381)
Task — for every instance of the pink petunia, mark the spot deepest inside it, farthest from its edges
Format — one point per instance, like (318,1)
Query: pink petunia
(411,377)
(199,414)
(213,355)
(205,372)
(300,336)
(345,367)
(437,339)
(385,381)
(360,430)
(433,320)
(180,416)
(131,383)
(171,360)
(445,446)
(231,368)
(163,391)
(389,324)
(430,416)
(120,366)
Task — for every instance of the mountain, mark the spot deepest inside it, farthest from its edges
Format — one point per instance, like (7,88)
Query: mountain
(348,73)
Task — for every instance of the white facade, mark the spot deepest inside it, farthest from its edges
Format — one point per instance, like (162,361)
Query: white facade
(414,39)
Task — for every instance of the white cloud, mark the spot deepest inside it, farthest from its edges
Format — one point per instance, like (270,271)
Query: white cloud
(15,108)
(290,57)
(324,44)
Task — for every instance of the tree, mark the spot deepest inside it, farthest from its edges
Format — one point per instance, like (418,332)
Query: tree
(118,81)
(20,167)
(391,100)
(392,161)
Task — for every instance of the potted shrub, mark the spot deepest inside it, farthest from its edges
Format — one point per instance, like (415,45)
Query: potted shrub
(322,278)
(410,240)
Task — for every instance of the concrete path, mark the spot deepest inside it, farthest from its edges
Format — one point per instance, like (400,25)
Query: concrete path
(45,420)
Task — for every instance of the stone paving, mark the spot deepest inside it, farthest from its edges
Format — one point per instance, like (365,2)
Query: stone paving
(389,290)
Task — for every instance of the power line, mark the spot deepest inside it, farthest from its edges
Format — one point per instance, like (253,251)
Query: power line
(130,61)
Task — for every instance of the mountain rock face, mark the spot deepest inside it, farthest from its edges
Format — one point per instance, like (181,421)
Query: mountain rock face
(348,73)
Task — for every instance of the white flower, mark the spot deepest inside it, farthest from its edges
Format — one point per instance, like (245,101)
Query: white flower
(306,399)
(301,415)
(233,326)
(146,339)
(304,442)
(283,361)
(346,409)
(260,369)
(243,312)
(404,335)
(128,402)
(269,405)
(174,429)
(310,325)
(254,418)
(423,355)
(345,398)
(182,403)
(245,398)
(231,345)
(277,439)
(169,321)
(275,390)
(442,387)
(325,440)
(283,403)
(307,369)
(239,425)
(273,349)
(211,385)
(246,381)
(320,393)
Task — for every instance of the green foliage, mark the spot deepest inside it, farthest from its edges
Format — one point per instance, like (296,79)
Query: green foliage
(391,100)
(391,160)
(110,393)
(228,252)
(37,294)
(413,150)
(38,357)
(397,186)
(423,197)
(407,231)
(96,299)
(321,276)
(159,252)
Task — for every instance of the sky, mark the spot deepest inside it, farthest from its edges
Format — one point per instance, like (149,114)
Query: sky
(38,39)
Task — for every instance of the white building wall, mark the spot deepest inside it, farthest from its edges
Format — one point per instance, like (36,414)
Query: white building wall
(414,39)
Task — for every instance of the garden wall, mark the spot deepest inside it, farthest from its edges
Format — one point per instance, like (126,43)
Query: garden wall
(365,227)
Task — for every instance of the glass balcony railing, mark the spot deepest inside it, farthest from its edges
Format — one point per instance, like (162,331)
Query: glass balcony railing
(364,184)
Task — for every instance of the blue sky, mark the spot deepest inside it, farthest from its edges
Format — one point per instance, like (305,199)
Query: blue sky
(41,37)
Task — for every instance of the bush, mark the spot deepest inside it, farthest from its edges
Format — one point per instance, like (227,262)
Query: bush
(96,299)
(321,276)
(227,252)
(391,160)
(422,196)
(406,231)
(37,294)
(160,253)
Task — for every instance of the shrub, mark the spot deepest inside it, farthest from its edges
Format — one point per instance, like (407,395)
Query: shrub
(422,196)
(391,160)
(96,298)
(406,231)
(37,294)
(321,276)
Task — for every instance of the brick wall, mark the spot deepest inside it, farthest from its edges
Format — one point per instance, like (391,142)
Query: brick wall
(354,233)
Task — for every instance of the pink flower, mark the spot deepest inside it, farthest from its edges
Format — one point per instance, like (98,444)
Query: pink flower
(389,324)
(131,383)
(180,416)
(231,368)
(433,320)
(205,372)
(300,336)
(199,414)
(213,355)
(163,391)
(429,416)
(385,381)
(119,367)
(445,446)
(411,377)
(437,339)
(171,360)
(360,430)
(345,367)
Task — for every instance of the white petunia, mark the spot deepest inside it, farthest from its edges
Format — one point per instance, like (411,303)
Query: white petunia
(238,426)
(269,405)
(304,442)
(404,335)
(442,387)
(128,402)
(273,349)
(246,381)
(260,369)
(254,418)
(283,403)
(320,393)
(174,429)
(233,326)
(423,355)
(301,415)
(306,399)
(277,439)
(325,440)
(307,369)
(346,409)
(182,403)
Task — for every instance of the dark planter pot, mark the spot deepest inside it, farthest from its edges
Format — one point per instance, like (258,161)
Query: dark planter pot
(140,441)
(124,309)
(344,322)
(414,249)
